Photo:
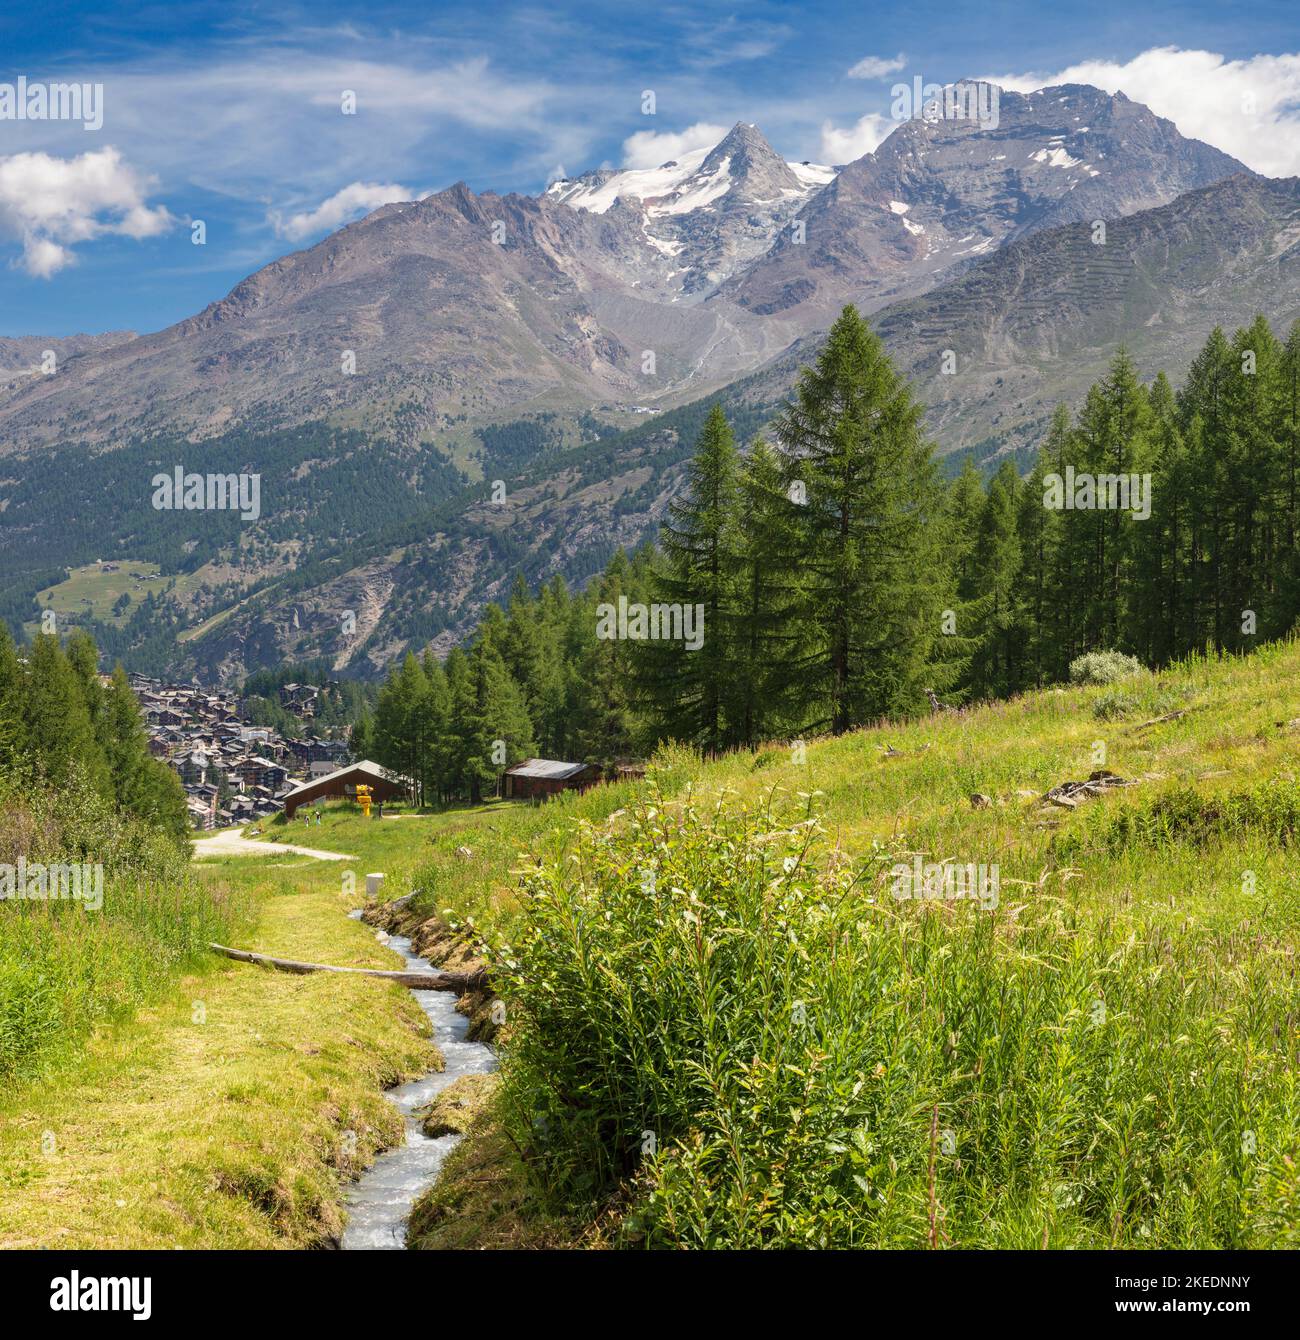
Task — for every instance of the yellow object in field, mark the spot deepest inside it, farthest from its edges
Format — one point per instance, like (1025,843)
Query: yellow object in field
(363,799)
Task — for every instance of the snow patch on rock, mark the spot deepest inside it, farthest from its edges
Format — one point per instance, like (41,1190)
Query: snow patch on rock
(1055,157)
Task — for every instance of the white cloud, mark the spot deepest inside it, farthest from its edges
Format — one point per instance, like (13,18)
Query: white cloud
(43,258)
(649,148)
(51,203)
(262,125)
(876,67)
(1248,108)
(843,146)
(706,43)
(342,207)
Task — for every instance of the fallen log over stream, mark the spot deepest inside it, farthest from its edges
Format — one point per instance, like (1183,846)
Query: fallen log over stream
(417,981)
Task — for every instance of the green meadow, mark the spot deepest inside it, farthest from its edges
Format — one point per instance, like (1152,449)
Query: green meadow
(722,1026)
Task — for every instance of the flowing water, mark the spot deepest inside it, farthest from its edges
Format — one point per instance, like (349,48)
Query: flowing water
(378,1204)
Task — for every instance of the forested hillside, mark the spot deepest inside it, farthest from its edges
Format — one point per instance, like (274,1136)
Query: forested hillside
(837,578)
(414,535)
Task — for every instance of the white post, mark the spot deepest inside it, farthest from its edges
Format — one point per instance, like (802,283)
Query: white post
(374,883)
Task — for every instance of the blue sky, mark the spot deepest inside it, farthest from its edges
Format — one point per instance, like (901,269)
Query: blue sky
(232,114)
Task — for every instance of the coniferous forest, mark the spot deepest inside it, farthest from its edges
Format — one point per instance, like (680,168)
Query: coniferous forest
(840,580)
(64,731)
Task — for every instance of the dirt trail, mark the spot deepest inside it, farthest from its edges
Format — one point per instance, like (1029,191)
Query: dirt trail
(232,842)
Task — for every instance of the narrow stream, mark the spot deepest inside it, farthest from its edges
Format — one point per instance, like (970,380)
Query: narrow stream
(378,1204)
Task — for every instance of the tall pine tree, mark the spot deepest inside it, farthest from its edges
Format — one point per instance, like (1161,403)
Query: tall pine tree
(869,551)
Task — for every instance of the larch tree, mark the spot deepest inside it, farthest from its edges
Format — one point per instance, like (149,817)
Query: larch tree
(869,552)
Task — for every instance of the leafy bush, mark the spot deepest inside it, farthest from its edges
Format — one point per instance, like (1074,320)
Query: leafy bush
(1184,814)
(1148,699)
(732,1036)
(1115,705)
(1102,667)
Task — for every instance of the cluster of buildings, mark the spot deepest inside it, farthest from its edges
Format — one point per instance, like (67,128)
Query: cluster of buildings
(303,699)
(235,772)
(232,771)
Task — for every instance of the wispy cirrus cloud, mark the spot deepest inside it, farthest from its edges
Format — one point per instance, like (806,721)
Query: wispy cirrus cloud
(246,120)
(712,43)
(876,67)
(1249,108)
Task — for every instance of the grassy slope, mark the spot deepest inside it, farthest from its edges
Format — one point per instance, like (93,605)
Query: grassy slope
(1236,733)
(68,968)
(90,592)
(230,1132)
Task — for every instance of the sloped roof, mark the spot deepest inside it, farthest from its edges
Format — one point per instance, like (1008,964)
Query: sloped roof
(365,769)
(550,768)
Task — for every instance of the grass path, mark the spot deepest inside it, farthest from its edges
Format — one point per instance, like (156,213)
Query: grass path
(232,1114)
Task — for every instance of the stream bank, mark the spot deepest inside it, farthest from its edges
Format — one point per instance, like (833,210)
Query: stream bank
(380,1202)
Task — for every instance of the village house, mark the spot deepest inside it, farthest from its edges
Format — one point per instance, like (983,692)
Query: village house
(258,771)
(300,699)
(194,767)
(538,778)
(342,784)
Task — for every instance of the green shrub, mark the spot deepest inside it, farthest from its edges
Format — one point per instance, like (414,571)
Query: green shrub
(1149,699)
(1185,814)
(759,1047)
(1102,667)
(1115,705)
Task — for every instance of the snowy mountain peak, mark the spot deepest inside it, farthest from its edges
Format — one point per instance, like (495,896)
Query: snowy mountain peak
(745,145)
(656,188)
(709,212)
(742,163)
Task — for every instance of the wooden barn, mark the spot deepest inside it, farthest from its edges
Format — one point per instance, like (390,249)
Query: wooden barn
(537,778)
(342,783)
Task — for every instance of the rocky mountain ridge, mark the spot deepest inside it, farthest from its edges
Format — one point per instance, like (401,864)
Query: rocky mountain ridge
(610,294)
